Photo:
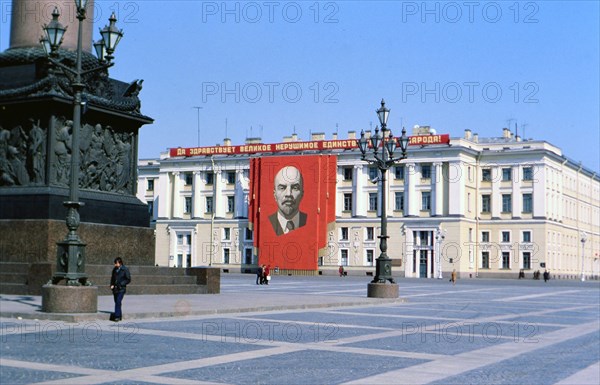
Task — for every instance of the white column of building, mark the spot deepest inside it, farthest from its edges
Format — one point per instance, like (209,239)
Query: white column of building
(164,195)
(456,189)
(241,204)
(496,196)
(408,252)
(177,203)
(411,200)
(219,200)
(437,188)
(539,193)
(359,204)
(172,247)
(517,195)
(197,195)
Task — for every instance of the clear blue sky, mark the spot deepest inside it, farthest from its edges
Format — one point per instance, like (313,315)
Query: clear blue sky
(314,65)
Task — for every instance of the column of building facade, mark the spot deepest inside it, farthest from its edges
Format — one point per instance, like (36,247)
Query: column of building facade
(456,189)
(359,204)
(197,195)
(410,190)
(177,199)
(219,201)
(539,192)
(240,191)
(164,195)
(408,252)
(496,196)
(517,195)
(437,188)
(172,247)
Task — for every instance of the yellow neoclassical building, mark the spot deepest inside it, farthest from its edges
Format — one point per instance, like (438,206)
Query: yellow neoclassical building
(485,207)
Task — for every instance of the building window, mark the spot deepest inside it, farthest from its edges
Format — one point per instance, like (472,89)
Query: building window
(180,239)
(486,203)
(486,175)
(527,203)
(527,173)
(424,238)
(426,201)
(526,236)
(231,177)
(248,234)
(347,202)
(399,201)
(210,177)
(505,260)
(485,236)
(344,255)
(372,201)
(188,205)
(505,236)
(209,205)
(150,186)
(485,259)
(344,233)
(150,208)
(469,174)
(399,172)
(426,171)
(226,256)
(347,173)
(189,178)
(188,239)
(248,256)
(527,260)
(469,202)
(506,174)
(226,234)
(370,257)
(230,203)
(370,233)
(506,203)
(373,173)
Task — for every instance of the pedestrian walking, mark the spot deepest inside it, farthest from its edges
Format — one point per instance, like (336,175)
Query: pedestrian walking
(259,274)
(453,277)
(267,274)
(546,275)
(341,271)
(119,280)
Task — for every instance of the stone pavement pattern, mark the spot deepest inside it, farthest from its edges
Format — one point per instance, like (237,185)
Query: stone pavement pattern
(318,330)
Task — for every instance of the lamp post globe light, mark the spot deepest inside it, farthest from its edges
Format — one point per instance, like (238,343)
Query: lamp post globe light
(440,235)
(583,240)
(70,261)
(381,152)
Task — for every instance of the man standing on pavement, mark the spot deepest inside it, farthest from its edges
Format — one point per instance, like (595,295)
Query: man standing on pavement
(118,283)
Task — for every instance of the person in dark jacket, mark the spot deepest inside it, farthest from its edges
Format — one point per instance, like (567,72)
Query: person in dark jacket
(118,283)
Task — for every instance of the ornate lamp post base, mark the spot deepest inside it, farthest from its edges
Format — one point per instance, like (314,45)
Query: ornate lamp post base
(383,290)
(69,299)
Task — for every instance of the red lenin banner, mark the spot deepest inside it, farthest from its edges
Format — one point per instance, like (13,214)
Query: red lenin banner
(291,208)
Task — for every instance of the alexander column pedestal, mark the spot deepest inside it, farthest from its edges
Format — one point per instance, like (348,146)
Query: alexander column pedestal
(36,149)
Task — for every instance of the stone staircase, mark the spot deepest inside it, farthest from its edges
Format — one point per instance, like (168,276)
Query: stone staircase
(13,278)
(27,279)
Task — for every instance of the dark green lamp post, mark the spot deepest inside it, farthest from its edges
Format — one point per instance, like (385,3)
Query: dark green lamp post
(70,261)
(382,154)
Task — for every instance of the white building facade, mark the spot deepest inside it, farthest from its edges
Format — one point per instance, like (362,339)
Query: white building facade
(485,207)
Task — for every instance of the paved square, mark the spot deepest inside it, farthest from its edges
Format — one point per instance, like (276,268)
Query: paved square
(477,332)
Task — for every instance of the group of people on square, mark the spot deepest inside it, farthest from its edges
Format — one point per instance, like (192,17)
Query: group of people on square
(263,275)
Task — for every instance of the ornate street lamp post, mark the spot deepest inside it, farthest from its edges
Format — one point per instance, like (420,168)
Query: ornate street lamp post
(70,261)
(381,153)
(583,240)
(440,235)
